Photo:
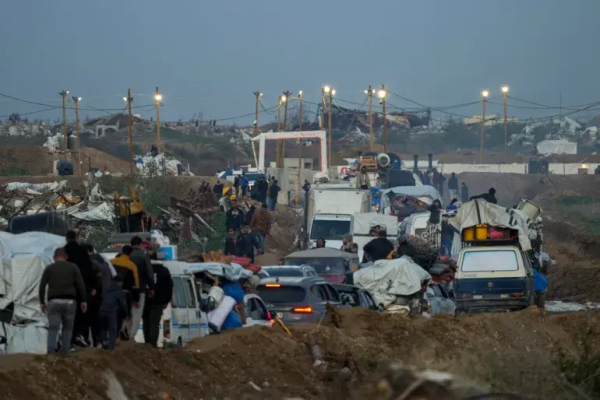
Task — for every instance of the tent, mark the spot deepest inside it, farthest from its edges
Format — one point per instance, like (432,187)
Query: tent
(23,259)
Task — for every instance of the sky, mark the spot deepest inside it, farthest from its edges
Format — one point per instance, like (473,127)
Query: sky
(210,56)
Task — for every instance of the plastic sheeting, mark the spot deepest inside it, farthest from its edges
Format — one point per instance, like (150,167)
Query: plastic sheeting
(24,258)
(480,211)
(101,212)
(387,279)
(414,191)
(364,222)
(158,165)
(231,272)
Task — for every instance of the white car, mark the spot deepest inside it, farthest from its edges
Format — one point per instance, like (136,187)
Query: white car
(256,311)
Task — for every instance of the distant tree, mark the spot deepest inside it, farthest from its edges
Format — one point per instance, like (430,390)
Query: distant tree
(14,117)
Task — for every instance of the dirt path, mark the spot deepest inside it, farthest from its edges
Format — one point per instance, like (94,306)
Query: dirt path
(505,352)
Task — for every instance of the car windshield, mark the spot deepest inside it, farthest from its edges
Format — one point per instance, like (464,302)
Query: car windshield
(323,266)
(254,177)
(283,272)
(282,294)
(488,261)
(329,229)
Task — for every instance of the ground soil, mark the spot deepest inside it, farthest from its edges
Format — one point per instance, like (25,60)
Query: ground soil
(504,352)
(37,161)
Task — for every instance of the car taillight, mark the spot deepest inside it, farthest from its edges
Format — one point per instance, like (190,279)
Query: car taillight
(303,310)
(273,285)
(269,315)
(517,295)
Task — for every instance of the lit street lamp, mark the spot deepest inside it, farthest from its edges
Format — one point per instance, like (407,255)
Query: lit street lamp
(505,103)
(158,97)
(382,94)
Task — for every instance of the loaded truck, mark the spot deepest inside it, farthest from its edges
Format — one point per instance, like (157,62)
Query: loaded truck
(497,252)
(330,209)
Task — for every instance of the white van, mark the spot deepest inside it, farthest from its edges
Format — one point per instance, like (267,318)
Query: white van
(415,225)
(182,320)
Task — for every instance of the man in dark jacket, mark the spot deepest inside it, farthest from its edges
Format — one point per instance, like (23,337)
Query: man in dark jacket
(490,196)
(464,192)
(78,256)
(153,310)
(114,305)
(218,189)
(235,216)
(236,185)
(248,242)
(65,287)
(273,193)
(379,248)
(231,242)
(262,188)
(146,277)
(453,186)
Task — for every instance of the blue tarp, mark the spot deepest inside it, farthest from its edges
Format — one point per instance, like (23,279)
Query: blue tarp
(540,283)
(226,173)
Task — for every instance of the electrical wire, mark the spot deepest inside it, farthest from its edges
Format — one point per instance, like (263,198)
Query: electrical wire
(30,113)
(88,108)
(243,116)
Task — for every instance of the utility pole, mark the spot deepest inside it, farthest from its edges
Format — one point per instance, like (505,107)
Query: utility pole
(369,93)
(77,100)
(129,99)
(300,98)
(383,95)
(64,94)
(278,156)
(484,95)
(331,92)
(322,124)
(286,99)
(158,98)
(257,94)
(505,98)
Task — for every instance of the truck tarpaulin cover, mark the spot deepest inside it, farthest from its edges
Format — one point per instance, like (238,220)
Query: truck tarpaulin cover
(24,257)
(478,211)
(414,191)
(386,279)
(364,222)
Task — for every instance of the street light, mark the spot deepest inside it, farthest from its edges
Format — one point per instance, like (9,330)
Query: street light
(76,100)
(158,97)
(505,98)
(484,95)
(381,93)
(331,94)
(327,89)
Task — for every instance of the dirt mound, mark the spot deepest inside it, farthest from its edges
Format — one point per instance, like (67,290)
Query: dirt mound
(504,352)
(285,227)
(510,188)
(37,161)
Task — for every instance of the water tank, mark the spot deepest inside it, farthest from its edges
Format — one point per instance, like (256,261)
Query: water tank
(72,143)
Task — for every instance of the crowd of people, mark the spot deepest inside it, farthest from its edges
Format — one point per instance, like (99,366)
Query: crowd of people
(95,302)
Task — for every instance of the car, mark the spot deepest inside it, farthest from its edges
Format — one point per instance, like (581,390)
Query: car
(438,301)
(356,296)
(287,271)
(257,313)
(299,299)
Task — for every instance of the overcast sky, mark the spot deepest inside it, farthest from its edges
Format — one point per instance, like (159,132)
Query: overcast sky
(209,56)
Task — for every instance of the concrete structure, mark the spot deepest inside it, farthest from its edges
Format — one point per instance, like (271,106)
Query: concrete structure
(302,135)
(307,163)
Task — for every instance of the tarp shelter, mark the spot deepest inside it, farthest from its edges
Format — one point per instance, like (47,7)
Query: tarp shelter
(23,259)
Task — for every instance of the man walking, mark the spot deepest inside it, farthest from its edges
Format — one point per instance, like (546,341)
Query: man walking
(128,272)
(261,225)
(114,305)
(263,187)
(65,287)
(453,186)
(146,277)
(78,256)
(273,194)
(153,310)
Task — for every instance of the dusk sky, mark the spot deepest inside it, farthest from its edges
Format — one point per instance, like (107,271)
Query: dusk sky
(209,56)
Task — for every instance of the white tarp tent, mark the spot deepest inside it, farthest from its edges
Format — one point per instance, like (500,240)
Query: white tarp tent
(24,258)
(560,146)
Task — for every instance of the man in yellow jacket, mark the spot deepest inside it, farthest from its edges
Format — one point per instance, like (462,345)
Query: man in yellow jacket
(128,272)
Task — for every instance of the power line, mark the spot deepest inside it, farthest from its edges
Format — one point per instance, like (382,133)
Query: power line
(30,113)
(90,108)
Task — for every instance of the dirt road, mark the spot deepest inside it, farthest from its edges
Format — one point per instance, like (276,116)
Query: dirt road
(524,352)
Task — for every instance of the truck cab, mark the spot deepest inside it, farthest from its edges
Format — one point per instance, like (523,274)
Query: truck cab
(493,278)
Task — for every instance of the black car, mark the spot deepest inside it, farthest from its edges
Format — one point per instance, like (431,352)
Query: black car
(299,299)
(356,297)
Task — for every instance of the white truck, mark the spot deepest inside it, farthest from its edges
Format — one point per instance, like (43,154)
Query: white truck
(330,210)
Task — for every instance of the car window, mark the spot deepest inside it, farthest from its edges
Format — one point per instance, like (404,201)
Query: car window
(489,261)
(333,295)
(178,300)
(261,310)
(283,294)
(189,293)
(252,309)
(319,291)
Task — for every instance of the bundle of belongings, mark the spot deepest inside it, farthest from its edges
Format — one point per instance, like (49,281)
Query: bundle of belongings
(395,284)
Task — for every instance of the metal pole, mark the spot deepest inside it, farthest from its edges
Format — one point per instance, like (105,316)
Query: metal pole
(322,109)
(287,95)
(158,99)
(130,131)
(278,156)
(384,119)
(370,93)
(330,126)
(64,110)
(482,130)
(505,96)
(300,98)
(257,94)
(76,100)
